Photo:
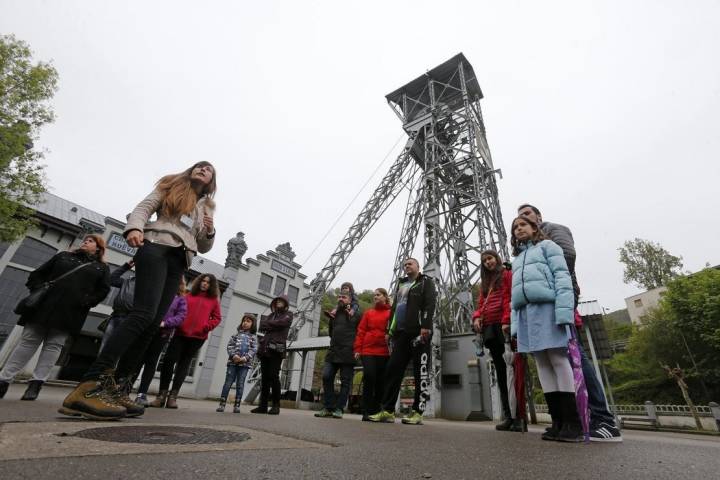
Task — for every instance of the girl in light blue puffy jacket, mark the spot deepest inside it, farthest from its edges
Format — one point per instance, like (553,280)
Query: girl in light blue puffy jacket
(542,315)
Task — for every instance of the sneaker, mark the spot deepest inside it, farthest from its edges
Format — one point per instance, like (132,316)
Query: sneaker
(383,416)
(414,418)
(142,399)
(324,413)
(337,413)
(605,432)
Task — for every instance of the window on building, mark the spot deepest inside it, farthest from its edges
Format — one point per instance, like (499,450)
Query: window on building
(279,286)
(293,293)
(33,253)
(265,283)
(12,289)
(638,303)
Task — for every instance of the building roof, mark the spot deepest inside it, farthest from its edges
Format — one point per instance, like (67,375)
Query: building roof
(589,307)
(442,73)
(67,211)
(309,344)
(205,265)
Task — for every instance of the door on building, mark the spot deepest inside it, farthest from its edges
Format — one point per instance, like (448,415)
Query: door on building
(12,289)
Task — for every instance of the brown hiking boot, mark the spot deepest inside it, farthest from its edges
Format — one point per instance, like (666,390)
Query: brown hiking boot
(91,401)
(121,396)
(172,399)
(160,400)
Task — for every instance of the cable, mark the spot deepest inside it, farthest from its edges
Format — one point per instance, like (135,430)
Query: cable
(353,200)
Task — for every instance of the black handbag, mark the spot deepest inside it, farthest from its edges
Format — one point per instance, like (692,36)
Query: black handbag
(29,303)
(277,347)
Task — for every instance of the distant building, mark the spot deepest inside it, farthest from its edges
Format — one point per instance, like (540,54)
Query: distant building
(638,305)
(247,287)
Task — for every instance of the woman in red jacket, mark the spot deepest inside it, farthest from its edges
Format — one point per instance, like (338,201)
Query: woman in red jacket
(203,315)
(372,348)
(492,314)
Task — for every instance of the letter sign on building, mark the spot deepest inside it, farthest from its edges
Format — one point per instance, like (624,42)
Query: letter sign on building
(282,268)
(117,242)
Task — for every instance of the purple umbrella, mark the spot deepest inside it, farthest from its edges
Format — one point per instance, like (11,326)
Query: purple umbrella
(581,394)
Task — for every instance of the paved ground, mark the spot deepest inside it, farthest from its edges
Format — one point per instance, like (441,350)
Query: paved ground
(38,443)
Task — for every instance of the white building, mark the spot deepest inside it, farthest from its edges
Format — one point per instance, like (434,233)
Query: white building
(247,287)
(638,305)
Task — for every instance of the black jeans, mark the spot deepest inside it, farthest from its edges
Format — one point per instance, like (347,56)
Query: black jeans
(331,401)
(158,269)
(150,361)
(497,349)
(373,380)
(402,352)
(270,372)
(177,359)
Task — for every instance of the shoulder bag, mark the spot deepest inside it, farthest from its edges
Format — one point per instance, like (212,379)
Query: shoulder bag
(29,303)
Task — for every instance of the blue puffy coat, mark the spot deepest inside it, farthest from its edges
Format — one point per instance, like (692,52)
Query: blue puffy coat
(540,275)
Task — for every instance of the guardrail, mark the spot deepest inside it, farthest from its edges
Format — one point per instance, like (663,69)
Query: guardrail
(677,416)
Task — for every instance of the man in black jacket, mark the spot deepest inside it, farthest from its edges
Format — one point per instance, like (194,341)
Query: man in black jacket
(410,331)
(602,422)
(343,328)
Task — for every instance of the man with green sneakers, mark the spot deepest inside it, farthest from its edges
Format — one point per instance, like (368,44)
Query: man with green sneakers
(340,357)
(409,331)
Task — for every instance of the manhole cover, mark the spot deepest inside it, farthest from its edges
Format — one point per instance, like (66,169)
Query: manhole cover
(167,435)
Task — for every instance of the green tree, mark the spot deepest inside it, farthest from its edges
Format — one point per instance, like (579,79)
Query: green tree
(648,264)
(25,91)
(683,330)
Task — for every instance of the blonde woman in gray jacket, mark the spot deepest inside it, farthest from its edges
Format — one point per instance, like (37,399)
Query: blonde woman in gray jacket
(184,226)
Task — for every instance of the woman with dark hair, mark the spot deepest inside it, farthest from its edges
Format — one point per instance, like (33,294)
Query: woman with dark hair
(61,313)
(173,319)
(184,226)
(203,315)
(543,312)
(271,351)
(493,312)
(371,348)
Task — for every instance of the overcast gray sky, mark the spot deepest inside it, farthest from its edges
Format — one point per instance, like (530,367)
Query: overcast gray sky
(603,114)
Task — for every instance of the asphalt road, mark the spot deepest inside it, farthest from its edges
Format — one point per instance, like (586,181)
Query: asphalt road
(34,444)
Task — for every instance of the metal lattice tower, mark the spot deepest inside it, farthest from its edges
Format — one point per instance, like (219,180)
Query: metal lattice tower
(447,166)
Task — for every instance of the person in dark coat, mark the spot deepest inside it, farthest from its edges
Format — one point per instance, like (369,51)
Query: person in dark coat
(271,351)
(340,356)
(61,313)
(410,333)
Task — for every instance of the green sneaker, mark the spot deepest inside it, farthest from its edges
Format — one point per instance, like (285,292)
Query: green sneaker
(414,418)
(324,413)
(337,413)
(383,416)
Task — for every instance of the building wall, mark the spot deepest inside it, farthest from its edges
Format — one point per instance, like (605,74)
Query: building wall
(637,305)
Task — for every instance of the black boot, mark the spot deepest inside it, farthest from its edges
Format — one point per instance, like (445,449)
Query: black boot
(553,403)
(262,408)
(221,407)
(518,425)
(571,431)
(505,425)
(33,389)
(236,407)
(4,388)
(274,410)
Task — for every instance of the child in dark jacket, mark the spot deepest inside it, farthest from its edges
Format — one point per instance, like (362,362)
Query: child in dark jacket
(241,350)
